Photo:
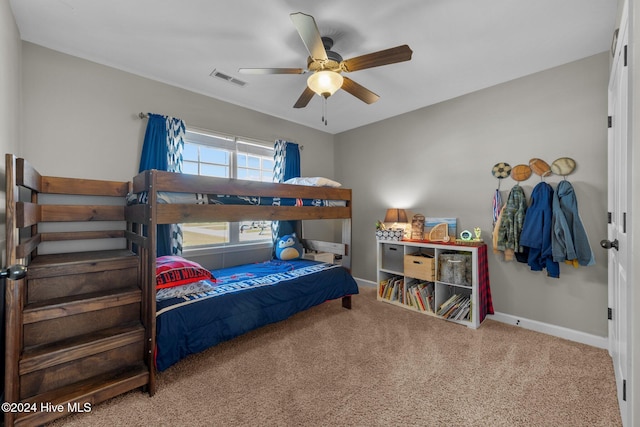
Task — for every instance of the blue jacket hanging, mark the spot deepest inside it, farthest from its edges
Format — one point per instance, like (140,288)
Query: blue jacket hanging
(575,243)
(537,230)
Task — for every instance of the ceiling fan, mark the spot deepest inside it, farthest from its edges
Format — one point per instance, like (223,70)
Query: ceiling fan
(327,65)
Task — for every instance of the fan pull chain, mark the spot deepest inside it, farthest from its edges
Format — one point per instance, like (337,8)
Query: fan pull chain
(324,110)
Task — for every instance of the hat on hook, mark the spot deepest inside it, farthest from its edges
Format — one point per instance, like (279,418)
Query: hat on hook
(563,166)
(501,170)
(540,167)
(521,172)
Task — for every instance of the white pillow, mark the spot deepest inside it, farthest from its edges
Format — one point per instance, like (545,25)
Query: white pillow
(183,290)
(316,181)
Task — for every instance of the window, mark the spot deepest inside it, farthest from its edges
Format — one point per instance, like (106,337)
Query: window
(226,157)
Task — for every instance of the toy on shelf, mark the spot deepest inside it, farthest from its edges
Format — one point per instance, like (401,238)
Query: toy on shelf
(417,227)
(467,238)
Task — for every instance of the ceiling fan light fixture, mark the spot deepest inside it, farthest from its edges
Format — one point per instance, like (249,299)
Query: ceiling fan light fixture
(325,83)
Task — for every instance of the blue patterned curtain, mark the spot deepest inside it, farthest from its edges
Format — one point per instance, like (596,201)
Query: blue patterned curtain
(162,150)
(286,165)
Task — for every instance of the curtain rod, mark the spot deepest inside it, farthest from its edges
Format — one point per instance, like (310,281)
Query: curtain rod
(146,116)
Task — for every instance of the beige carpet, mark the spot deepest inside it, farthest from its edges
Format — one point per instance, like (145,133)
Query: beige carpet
(376,365)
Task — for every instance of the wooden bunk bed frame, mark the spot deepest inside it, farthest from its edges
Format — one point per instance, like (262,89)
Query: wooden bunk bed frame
(146,217)
(74,325)
(80,326)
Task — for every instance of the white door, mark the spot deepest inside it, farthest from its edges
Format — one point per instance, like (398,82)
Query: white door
(616,241)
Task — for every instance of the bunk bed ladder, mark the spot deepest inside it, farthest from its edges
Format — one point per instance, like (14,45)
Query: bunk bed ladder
(75,328)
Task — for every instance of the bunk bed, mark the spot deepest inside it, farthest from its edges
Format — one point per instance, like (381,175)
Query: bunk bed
(241,298)
(83,321)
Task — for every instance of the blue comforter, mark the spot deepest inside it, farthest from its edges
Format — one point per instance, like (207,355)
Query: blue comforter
(244,298)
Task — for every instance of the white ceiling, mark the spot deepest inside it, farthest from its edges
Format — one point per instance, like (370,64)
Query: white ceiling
(459,46)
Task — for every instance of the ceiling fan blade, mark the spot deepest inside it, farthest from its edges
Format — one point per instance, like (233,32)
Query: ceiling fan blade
(304,98)
(376,59)
(308,30)
(359,91)
(263,71)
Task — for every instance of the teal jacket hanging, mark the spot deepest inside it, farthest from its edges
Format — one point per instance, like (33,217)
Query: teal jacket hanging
(569,241)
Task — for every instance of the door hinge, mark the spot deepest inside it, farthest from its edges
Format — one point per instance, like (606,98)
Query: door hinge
(609,313)
(624,390)
(608,217)
(625,55)
(610,121)
(624,222)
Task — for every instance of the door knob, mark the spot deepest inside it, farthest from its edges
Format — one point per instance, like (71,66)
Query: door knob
(607,244)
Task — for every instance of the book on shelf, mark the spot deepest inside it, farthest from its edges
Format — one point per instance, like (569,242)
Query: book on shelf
(442,308)
(456,308)
(388,289)
(427,295)
(398,287)
(464,312)
(382,287)
(407,299)
(392,288)
(453,311)
(411,297)
(420,295)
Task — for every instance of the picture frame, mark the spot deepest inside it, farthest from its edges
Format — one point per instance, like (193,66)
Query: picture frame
(431,222)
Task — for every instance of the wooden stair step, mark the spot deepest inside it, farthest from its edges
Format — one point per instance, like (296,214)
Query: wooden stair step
(45,356)
(54,265)
(77,304)
(93,390)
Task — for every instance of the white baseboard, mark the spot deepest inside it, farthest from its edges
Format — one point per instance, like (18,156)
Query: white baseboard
(368,283)
(556,331)
(534,325)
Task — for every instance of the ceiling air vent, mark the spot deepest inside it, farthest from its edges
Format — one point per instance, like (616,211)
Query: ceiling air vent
(228,78)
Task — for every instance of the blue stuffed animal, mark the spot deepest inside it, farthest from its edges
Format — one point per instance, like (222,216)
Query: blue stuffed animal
(288,247)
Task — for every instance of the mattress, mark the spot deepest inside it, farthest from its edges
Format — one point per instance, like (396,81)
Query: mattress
(222,199)
(244,298)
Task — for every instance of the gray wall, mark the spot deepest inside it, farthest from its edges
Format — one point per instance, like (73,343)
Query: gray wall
(437,161)
(81,118)
(10,51)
